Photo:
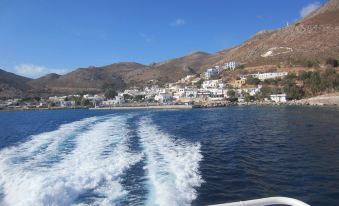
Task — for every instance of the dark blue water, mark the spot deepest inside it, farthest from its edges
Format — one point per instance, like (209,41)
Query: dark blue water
(198,157)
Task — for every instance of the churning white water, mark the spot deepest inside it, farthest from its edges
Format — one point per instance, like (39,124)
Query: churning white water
(94,166)
(86,162)
(172,166)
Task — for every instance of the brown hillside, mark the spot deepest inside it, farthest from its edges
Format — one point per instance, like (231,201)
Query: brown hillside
(12,85)
(174,69)
(314,37)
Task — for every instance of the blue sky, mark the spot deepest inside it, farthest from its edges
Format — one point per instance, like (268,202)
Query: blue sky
(43,36)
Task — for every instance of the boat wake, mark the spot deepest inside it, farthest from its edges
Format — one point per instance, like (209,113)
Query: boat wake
(86,162)
(91,169)
(172,166)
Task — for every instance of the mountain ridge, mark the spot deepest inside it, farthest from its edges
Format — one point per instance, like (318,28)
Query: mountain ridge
(314,37)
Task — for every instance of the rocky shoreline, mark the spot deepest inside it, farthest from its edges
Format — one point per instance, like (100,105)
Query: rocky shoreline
(324,100)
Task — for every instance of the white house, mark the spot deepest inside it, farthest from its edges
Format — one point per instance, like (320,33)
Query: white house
(216,92)
(188,77)
(252,91)
(203,93)
(278,98)
(211,72)
(117,100)
(163,97)
(269,75)
(67,103)
(188,92)
(196,80)
(232,65)
(208,84)
(56,99)
(191,93)
(94,98)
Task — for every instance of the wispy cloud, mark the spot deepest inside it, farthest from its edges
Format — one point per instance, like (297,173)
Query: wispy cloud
(309,9)
(34,71)
(147,38)
(178,22)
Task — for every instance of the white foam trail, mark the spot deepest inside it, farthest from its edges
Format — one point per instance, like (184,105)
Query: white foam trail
(101,155)
(172,166)
(40,146)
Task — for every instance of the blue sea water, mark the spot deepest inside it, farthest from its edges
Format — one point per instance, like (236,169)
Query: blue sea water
(169,157)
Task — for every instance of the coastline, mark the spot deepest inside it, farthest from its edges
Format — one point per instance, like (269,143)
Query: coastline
(145,107)
(331,100)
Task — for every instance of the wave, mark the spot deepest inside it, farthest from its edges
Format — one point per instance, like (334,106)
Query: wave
(88,172)
(172,166)
(43,146)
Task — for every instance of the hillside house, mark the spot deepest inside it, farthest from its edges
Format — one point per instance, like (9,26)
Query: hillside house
(212,72)
(232,65)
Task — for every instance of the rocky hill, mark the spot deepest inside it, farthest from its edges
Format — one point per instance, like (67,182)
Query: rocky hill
(313,38)
(12,85)
(89,80)
(173,69)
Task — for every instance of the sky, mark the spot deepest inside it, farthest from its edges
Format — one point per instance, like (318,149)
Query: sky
(44,36)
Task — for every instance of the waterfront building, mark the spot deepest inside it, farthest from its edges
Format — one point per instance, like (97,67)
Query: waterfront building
(67,103)
(163,97)
(278,98)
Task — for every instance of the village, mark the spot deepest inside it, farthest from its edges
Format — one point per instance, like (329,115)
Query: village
(203,90)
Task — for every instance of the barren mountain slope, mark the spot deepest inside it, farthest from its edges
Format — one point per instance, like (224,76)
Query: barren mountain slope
(314,37)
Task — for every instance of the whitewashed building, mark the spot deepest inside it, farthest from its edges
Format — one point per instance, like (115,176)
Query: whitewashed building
(279,98)
(187,78)
(67,103)
(232,65)
(117,100)
(211,72)
(212,84)
(196,80)
(163,97)
(268,75)
(216,92)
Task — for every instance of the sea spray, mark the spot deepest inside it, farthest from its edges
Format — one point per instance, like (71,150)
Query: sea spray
(172,166)
(92,169)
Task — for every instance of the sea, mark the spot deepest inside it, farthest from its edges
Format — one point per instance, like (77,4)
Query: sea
(169,157)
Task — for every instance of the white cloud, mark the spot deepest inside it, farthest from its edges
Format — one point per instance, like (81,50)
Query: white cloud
(34,71)
(178,22)
(309,9)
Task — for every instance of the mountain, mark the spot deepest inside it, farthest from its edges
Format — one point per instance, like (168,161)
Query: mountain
(12,85)
(314,37)
(174,69)
(89,80)
(119,74)
(327,14)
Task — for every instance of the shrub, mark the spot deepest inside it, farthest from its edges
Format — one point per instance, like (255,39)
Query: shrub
(265,92)
(252,81)
(330,80)
(110,93)
(333,62)
(232,96)
(293,91)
